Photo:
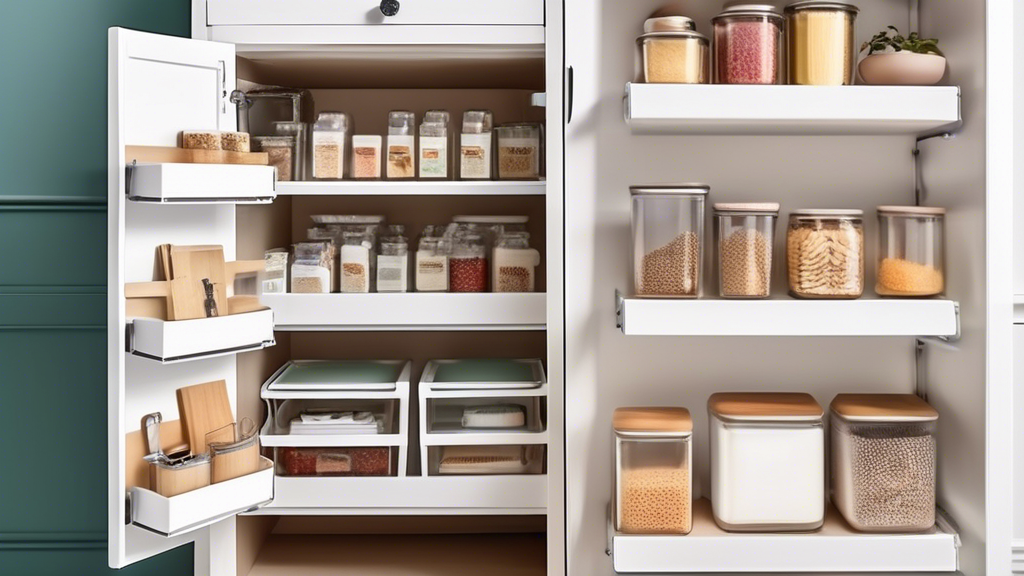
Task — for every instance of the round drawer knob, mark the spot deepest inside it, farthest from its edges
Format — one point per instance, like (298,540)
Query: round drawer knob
(389,7)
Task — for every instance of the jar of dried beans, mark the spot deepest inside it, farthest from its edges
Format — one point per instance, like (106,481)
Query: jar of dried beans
(519,151)
(653,470)
(910,251)
(467,265)
(744,236)
(514,263)
(883,461)
(330,136)
(825,253)
(366,156)
(673,52)
(820,44)
(668,240)
(748,45)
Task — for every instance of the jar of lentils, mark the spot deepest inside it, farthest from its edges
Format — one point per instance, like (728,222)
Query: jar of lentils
(748,45)
(745,233)
(467,265)
(825,253)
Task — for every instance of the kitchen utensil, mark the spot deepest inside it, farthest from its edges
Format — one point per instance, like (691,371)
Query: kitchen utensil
(205,408)
(176,473)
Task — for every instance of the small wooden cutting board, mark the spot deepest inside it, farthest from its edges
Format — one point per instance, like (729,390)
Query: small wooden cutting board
(205,408)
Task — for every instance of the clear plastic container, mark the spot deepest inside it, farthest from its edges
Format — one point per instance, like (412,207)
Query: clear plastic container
(234,451)
(341,461)
(301,164)
(393,264)
(330,145)
(910,251)
(432,265)
(825,253)
(883,461)
(673,52)
(401,157)
(280,152)
(744,238)
(483,460)
(275,276)
(312,268)
(467,264)
(366,157)
(653,470)
(435,145)
(820,42)
(748,45)
(514,264)
(668,240)
(356,271)
(519,151)
(475,145)
(767,462)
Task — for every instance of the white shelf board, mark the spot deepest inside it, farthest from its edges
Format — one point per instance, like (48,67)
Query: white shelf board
(780,110)
(833,548)
(201,183)
(413,188)
(483,438)
(408,311)
(788,317)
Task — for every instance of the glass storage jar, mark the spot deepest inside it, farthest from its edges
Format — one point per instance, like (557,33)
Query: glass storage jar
(475,145)
(744,237)
(401,158)
(435,145)
(393,265)
(668,240)
(467,265)
(673,52)
(280,154)
(355,262)
(366,157)
(820,42)
(330,136)
(519,151)
(301,165)
(653,470)
(489,228)
(748,45)
(825,253)
(910,251)
(514,263)
(767,461)
(432,265)
(312,268)
(883,461)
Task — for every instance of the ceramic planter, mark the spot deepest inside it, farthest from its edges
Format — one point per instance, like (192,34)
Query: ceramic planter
(902,68)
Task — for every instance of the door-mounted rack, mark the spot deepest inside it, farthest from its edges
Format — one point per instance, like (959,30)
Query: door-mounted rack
(196,183)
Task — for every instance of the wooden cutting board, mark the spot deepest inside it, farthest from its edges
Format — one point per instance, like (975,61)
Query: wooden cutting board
(169,154)
(189,266)
(205,408)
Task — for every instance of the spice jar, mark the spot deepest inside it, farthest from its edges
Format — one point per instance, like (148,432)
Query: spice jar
(475,145)
(820,41)
(467,265)
(744,235)
(366,157)
(401,145)
(825,253)
(674,52)
(883,461)
(668,239)
(767,461)
(519,151)
(434,145)
(280,154)
(355,262)
(514,263)
(653,470)
(393,264)
(330,133)
(910,251)
(748,45)
(432,265)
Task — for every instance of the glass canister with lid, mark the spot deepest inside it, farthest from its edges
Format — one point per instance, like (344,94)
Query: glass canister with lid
(748,44)
(745,237)
(435,144)
(668,240)
(910,251)
(519,151)
(820,42)
(883,461)
(767,461)
(401,153)
(432,265)
(653,470)
(467,264)
(393,264)
(330,139)
(356,271)
(673,52)
(514,263)
(475,144)
(825,253)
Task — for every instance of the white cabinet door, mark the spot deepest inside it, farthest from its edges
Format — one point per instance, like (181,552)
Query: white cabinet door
(368,12)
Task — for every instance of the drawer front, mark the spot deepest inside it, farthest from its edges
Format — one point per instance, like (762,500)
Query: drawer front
(367,12)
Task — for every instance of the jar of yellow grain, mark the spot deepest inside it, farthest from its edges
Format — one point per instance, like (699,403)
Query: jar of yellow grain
(674,52)
(820,42)
(910,251)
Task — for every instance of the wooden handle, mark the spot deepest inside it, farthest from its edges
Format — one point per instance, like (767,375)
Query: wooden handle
(158,289)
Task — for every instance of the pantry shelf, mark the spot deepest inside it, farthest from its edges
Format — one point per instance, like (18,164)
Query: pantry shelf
(788,317)
(408,311)
(833,548)
(401,188)
(179,183)
(790,110)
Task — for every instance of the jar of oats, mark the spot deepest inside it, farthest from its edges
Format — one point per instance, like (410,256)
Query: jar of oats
(744,236)
(673,52)
(910,251)
(825,253)
(668,240)
(653,470)
(883,461)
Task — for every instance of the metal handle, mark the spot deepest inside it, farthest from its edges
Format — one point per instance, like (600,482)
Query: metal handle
(389,7)
(151,427)
(568,94)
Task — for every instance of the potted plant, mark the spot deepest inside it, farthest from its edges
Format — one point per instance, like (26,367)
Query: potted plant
(895,60)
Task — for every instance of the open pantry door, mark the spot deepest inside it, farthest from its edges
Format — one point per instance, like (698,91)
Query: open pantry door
(158,86)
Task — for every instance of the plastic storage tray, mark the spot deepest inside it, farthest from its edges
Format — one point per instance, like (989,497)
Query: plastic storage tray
(177,341)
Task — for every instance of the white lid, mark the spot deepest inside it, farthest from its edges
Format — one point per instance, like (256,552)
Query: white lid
(819,5)
(747,207)
(491,219)
(669,24)
(912,210)
(689,189)
(849,213)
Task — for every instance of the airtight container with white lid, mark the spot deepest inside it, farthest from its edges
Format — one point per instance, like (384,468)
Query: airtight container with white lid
(883,461)
(653,470)
(767,462)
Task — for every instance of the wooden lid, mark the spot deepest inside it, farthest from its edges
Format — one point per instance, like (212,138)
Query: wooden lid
(765,406)
(654,420)
(883,408)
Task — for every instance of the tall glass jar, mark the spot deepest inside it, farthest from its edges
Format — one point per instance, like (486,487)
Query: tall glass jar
(435,145)
(393,264)
(820,40)
(401,153)
(330,138)
(910,251)
(514,264)
(519,151)
(432,265)
(355,262)
(467,265)
(475,145)
(744,237)
(668,240)
(825,253)
(673,52)
(748,45)
(653,470)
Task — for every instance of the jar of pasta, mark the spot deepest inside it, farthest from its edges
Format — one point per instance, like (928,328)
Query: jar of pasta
(825,253)
(820,42)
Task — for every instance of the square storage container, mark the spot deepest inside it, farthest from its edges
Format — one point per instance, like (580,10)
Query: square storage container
(668,240)
(366,157)
(475,145)
(519,151)
(514,263)
(767,462)
(825,253)
(484,460)
(745,241)
(330,145)
(401,153)
(883,461)
(435,145)
(653,470)
(911,259)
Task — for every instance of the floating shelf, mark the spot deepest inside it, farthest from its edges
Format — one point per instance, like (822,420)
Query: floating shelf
(833,548)
(408,311)
(182,340)
(201,183)
(785,110)
(420,188)
(788,317)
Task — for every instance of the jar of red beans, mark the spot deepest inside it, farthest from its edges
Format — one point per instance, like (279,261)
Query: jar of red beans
(467,264)
(748,45)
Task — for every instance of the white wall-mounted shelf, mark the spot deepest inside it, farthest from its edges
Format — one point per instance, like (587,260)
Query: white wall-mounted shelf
(182,340)
(414,188)
(408,311)
(833,548)
(201,183)
(788,317)
(780,110)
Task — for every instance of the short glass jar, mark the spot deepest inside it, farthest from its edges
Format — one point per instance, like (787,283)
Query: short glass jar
(519,151)
(744,238)
(467,264)
(825,253)
(820,41)
(514,263)
(330,139)
(668,240)
(673,52)
(748,45)
(910,251)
